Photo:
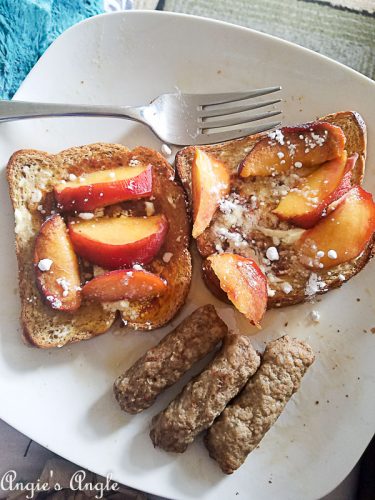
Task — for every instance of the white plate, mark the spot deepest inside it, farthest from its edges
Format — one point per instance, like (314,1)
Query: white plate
(63,398)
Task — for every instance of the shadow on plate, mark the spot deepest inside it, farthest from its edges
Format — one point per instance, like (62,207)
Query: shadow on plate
(104,417)
(141,455)
(23,358)
(195,470)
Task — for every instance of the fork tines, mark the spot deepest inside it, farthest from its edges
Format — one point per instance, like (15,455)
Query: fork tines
(234,118)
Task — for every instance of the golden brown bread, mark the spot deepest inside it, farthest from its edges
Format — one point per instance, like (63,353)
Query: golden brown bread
(169,200)
(31,176)
(260,196)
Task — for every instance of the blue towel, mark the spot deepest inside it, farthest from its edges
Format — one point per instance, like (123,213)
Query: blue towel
(28,27)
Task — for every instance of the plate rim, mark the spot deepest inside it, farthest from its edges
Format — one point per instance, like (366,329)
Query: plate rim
(194,18)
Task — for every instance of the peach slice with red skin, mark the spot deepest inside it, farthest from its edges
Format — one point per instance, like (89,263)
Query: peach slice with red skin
(211,182)
(123,284)
(293,147)
(104,187)
(60,282)
(342,235)
(243,282)
(114,242)
(346,183)
(304,205)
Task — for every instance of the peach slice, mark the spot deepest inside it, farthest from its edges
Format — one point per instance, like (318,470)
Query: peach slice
(243,282)
(104,187)
(304,205)
(342,235)
(56,266)
(124,284)
(114,242)
(211,182)
(288,147)
(346,182)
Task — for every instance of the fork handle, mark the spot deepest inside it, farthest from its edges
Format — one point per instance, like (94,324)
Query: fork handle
(20,110)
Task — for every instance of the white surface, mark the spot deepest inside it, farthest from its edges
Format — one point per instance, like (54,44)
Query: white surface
(63,398)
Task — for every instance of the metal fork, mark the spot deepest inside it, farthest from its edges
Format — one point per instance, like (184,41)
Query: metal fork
(177,118)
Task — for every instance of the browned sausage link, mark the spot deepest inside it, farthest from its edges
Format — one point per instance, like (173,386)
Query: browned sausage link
(244,423)
(206,395)
(165,363)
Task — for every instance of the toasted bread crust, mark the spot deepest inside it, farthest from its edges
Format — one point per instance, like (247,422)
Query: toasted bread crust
(232,152)
(287,269)
(31,171)
(170,200)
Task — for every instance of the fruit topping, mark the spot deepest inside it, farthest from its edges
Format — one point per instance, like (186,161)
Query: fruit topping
(103,187)
(56,266)
(114,242)
(243,282)
(123,284)
(293,148)
(211,182)
(305,204)
(342,235)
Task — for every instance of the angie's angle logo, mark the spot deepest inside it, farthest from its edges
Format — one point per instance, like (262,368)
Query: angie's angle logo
(77,482)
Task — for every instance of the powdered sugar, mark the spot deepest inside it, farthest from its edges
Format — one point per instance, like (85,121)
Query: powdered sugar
(86,215)
(36,196)
(286,287)
(45,264)
(166,150)
(234,210)
(315,316)
(312,286)
(167,257)
(232,237)
(292,149)
(332,254)
(233,224)
(65,285)
(277,136)
(218,188)
(55,302)
(272,254)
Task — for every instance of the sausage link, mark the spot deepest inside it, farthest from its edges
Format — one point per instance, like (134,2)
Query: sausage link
(206,395)
(243,424)
(164,364)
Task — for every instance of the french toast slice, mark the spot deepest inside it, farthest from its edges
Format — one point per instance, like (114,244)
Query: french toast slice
(173,262)
(247,226)
(31,177)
